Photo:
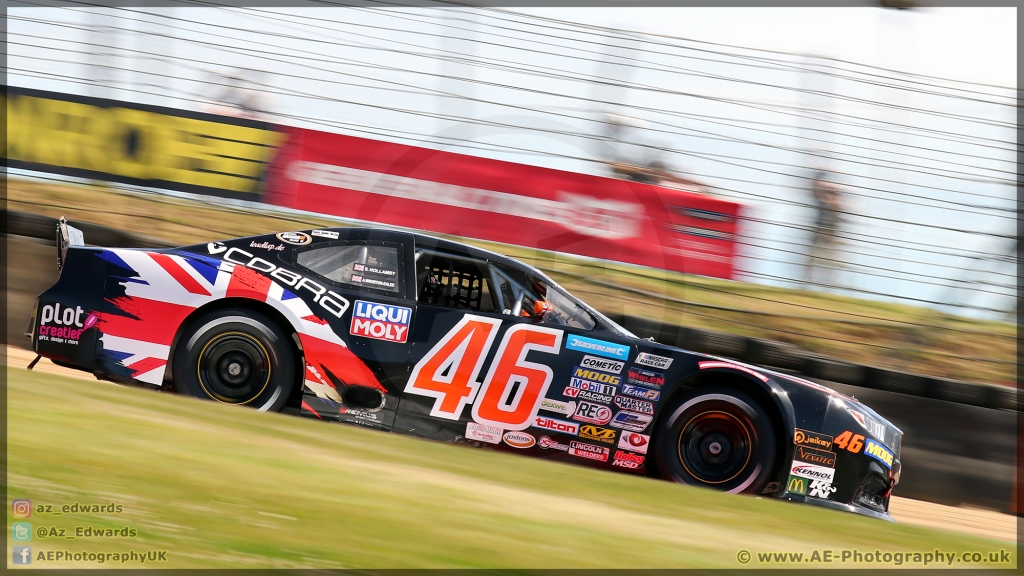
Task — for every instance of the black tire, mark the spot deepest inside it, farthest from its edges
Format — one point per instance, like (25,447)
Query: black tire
(235,356)
(716,438)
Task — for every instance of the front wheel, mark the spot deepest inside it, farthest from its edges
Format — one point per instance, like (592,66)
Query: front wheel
(235,356)
(717,438)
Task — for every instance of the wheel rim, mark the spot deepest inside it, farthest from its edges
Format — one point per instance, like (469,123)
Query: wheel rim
(715,447)
(234,368)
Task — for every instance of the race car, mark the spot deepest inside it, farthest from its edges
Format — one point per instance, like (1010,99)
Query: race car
(409,333)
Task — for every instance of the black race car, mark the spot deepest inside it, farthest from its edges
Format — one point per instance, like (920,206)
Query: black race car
(408,333)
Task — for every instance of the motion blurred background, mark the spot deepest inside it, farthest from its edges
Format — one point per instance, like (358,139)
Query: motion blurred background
(828,191)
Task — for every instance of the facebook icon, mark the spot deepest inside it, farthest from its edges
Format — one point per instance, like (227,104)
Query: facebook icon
(21,555)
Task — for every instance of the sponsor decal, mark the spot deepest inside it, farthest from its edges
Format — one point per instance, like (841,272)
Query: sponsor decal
(266,246)
(813,456)
(630,421)
(603,364)
(380,321)
(878,452)
(645,377)
(639,392)
(635,442)
(216,247)
(593,413)
(627,460)
(812,439)
(519,439)
(599,347)
(556,425)
(582,373)
(797,485)
(820,489)
(360,279)
(373,270)
(327,299)
(634,405)
(360,415)
(566,408)
(591,386)
(325,234)
(482,433)
(659,362)
(586,395)
(298,238)
(812,471)
(549,444)
(589,432)
(588,451)
(716,364)
(64,325)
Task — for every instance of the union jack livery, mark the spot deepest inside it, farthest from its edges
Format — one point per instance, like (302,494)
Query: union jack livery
(408,333)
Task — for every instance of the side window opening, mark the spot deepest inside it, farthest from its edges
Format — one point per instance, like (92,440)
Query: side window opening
(535,298)
(453,282)
(358,265)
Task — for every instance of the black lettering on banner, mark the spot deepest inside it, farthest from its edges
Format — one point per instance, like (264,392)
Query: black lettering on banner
(137,144)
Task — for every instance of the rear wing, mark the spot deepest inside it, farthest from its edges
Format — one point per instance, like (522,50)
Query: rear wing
(67,236)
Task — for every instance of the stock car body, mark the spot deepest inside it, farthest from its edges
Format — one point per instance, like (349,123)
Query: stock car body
(408,333)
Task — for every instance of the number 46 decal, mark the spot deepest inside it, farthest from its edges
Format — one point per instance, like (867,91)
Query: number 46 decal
(513,388)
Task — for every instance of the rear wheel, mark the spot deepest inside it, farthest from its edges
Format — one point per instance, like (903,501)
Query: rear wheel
(717,438)
(235,356)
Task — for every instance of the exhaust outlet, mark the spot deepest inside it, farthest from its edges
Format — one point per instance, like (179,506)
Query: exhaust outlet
(369,399)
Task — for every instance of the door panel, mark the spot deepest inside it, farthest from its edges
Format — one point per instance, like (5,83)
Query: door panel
(377,323)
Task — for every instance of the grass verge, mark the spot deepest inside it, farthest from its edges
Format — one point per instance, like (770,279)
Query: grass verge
(218,487)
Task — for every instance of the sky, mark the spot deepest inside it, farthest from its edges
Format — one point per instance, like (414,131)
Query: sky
(972,44)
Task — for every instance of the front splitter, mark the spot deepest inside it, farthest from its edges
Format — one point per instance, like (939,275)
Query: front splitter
(843,507)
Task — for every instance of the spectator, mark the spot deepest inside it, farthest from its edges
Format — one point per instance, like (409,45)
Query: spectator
(828,207)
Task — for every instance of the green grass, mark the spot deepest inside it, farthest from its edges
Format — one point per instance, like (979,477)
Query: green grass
(217,486)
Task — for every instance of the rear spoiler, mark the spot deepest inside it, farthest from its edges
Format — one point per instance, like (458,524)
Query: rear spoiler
(67,236)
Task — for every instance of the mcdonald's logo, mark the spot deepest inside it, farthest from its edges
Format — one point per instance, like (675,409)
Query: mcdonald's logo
(797,486)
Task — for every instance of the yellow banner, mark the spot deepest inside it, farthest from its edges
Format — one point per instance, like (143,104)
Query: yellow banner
(136,144)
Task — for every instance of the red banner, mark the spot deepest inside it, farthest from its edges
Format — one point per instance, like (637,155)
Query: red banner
(505,202)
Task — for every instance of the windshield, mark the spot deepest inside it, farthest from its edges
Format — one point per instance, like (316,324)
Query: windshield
(537,296)
(570,300)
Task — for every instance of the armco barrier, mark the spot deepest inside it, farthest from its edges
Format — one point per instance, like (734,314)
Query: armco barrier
(959,437)
(787,356)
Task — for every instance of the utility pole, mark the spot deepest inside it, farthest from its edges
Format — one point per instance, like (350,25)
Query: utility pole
(609,91)
(101,60)
(458,43)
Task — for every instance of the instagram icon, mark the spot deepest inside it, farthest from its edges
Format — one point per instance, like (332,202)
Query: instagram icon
(21,508)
